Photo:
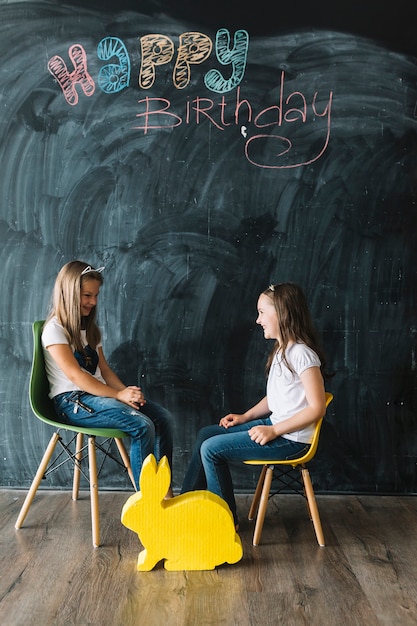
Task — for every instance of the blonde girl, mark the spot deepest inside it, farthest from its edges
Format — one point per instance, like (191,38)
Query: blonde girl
(84,388)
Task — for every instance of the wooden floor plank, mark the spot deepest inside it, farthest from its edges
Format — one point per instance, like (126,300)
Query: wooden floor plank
(367,573)
(375,535)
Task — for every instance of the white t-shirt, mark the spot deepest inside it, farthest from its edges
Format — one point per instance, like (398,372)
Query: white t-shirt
(53,333)
(285,391)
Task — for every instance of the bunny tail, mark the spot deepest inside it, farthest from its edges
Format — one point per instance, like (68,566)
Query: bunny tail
(236,551)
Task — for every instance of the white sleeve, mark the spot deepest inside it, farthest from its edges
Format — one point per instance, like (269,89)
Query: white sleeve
(302,357)
(53,333)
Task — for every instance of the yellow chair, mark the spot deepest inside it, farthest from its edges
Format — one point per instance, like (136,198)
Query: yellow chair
(73,450)
(300,484)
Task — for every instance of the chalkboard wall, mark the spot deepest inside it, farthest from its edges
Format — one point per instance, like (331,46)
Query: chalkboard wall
(201,155)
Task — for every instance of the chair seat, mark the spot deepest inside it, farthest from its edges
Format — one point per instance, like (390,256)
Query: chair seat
(96,432)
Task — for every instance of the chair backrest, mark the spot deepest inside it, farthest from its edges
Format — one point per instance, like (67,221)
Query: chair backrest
(315,441)
(41,404)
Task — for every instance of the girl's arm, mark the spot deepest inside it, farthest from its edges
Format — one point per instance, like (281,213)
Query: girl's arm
(314,388)
(259,410)
(113,380)
(66,361)
(108,374)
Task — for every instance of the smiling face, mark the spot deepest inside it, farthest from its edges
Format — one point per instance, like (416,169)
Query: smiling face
(267,317)
(89,296)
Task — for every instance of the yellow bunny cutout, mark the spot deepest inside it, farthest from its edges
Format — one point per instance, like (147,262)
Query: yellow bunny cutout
(192,531)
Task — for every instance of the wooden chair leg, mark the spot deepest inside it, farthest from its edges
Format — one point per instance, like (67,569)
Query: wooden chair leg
(95,516)
(262,506)
(125,459)
(257,495)
(314,512)
(38,477)
(77,466)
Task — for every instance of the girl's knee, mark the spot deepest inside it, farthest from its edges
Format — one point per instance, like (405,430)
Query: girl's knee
(143,427)
(206,451)
(207,432)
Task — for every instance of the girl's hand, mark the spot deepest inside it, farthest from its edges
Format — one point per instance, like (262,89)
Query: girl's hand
(232,419)
(132,396)
(262,434)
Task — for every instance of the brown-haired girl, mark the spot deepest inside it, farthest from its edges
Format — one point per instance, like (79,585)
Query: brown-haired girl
(281,425)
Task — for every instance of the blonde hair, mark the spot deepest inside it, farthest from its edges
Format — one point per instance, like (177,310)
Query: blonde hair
(66,303)
(294,322)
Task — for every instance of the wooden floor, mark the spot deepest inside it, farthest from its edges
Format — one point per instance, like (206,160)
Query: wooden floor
(366,574)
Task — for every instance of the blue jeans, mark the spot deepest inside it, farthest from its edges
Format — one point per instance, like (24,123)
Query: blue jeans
(216,447)
(150,429)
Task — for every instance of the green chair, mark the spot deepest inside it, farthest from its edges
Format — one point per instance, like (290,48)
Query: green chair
(74,449)
(299,483)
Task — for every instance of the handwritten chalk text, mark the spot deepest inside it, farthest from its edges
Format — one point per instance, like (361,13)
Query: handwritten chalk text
(293,111)
(156,114)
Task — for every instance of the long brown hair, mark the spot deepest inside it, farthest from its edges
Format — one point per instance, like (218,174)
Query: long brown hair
(294,322)
(66,303)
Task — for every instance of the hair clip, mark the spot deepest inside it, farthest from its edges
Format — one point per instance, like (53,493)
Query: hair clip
(271,287)
(88,269)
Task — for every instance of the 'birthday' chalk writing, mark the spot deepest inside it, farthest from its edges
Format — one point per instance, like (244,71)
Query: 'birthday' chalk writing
(260,149)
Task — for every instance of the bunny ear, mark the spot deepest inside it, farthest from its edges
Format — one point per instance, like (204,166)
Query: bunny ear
(155,480)
(148,473)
